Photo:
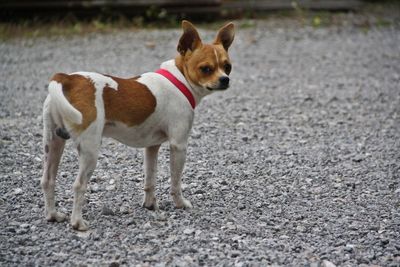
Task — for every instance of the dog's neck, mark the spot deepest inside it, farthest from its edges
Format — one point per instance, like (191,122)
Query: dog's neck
(179,63)
(197,91)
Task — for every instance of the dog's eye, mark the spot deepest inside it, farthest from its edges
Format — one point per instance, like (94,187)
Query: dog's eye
(227,68)
(206,69)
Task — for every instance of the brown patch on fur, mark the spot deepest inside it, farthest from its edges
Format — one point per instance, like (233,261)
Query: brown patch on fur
(80,92)
(132,103)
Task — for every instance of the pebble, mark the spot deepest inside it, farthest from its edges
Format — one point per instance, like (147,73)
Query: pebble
(84,234)
(110,187)
(107,211)
(94,187)
(326,263)
(114,264)
(25,225)
(18,191)
(188,231)
(349,248)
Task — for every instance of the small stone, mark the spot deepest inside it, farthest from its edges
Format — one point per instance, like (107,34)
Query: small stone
(124,210)
(349,248)
(189,231)
(160,216)
(112,181)
(18,191)
(326,263)
(131,222)
(110,187)
(198,233)
(358,158)
(223,182)
(384,242)
(231,227)
(289,152)
(199,192)
(114,264)
(84,234)
(107,211)
(94,188)
(147,225)
(196,135)
(188,259)
(24,225)
(235,254)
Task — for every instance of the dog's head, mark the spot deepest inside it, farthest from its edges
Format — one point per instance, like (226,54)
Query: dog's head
(205,65)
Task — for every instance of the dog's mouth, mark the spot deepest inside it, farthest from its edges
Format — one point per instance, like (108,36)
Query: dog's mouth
(219,88)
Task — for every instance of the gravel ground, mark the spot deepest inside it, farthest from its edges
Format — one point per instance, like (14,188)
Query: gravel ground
(297,164)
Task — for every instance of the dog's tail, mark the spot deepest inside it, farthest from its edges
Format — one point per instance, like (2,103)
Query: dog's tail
(61,103)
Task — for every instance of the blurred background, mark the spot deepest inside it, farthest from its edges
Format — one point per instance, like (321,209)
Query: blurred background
(163,9)
(33,17)
(159,9)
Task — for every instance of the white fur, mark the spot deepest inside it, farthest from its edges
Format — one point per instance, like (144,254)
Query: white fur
(57,98)
(216,56)
(99,80)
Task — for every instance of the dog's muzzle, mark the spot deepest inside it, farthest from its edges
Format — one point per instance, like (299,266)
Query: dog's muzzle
(223,84)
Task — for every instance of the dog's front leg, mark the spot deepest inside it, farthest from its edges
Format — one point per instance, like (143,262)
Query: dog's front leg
(150,169)
(177,162)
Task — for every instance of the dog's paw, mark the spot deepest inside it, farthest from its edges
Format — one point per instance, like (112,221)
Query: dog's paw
(183,203)
(80,225)
(150,205)
(56,217)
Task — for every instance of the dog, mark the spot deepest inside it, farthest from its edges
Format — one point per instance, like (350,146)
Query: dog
(144,112)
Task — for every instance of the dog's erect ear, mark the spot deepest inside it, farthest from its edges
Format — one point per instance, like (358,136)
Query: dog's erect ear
(225,35)
(190,39)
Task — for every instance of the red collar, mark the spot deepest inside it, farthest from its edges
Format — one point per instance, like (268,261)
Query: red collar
(178,84)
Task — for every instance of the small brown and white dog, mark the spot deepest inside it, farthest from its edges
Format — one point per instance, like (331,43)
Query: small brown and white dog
(144,111)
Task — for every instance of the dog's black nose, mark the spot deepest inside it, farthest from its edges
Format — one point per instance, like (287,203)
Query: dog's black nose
(224,81)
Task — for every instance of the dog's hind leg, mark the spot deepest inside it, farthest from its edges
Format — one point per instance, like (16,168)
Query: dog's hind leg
(88,152)
(53,149)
